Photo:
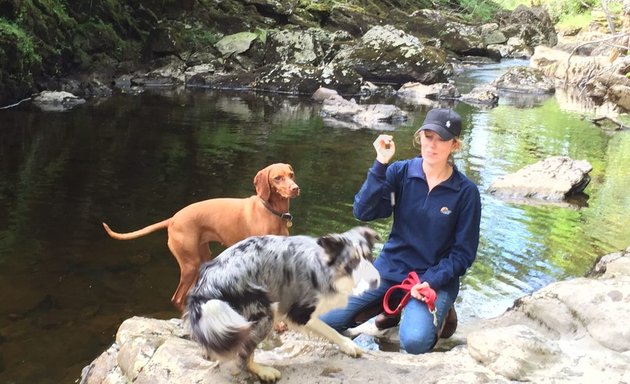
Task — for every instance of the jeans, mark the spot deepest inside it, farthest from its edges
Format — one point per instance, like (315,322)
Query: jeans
(418,334)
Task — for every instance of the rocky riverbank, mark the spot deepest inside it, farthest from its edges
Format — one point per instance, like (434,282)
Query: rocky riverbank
(358,51)
(287,47)
(572,331)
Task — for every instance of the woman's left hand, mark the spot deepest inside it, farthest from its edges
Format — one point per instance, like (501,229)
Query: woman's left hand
(385,148)
(416,291)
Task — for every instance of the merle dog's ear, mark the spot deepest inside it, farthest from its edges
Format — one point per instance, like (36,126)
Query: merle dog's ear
(370,235)
(333,245)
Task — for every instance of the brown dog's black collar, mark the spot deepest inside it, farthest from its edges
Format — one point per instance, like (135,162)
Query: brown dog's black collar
(284,216)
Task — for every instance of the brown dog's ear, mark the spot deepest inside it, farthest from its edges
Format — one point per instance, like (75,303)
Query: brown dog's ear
(261,182)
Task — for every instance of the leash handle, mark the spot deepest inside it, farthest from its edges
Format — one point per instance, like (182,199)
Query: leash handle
(411,280)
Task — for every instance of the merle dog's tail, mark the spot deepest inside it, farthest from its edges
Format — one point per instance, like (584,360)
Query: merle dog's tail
(217,326)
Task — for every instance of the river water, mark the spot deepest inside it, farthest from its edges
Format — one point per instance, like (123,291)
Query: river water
(132,160)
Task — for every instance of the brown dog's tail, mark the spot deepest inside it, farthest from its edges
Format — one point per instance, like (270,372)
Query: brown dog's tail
(139,233)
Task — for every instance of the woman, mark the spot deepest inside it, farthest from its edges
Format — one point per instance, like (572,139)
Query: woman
(435,231)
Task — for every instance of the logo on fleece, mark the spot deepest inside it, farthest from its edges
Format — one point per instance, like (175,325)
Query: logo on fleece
(445,211)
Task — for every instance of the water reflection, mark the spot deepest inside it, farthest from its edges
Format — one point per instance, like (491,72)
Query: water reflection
(132,160)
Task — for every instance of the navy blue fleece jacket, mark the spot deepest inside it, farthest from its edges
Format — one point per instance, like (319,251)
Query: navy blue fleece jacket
(435,234)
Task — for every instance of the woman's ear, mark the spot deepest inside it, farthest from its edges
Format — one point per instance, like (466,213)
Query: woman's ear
(457,145)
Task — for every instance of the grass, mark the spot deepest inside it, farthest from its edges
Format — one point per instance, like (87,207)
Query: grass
(574,21)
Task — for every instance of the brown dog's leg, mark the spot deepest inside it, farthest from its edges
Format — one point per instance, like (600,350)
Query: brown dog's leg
(189,263)
(187,278)
(204,253)
(187,271)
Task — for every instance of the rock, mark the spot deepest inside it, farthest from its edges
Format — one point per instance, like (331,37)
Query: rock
(307,47)
(417,93)
(515,351)
(235,44)
(551,179)
(484,95)
(565,68)
(373,42)
(384,55)
(620,268)
(495,37)
(56,101)
(532,25)
(611,85)
(323,93)
(337,109)
(524,80)
(160,43)
(571,332)
(369,89)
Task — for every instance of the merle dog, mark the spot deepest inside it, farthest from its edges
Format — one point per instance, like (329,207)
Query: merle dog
(270,278)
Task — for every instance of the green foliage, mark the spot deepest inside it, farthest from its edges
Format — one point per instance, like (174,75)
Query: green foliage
(199,36)
(561,9)
(471,10)
(512,4)
(50,27)
(12,35)
(52,12)
(479,10)
(262,34)
(565,10)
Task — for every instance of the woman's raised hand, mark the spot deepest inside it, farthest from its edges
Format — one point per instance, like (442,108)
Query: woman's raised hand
(385,148)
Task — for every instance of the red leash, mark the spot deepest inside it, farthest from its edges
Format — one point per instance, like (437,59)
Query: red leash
(406,285)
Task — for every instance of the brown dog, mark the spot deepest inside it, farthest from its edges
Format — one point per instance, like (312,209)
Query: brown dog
(224,220)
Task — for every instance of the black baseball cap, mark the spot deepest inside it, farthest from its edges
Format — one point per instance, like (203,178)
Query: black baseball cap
(444,121)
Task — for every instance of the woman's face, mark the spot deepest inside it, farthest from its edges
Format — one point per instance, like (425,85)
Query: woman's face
(435,150)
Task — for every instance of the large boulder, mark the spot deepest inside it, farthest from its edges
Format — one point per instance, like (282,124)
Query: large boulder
(612,86)
(564,67)
(533,25)
(485,95)
(56,101)
(296,59)
(446,30)
(347,113)
(524,80)
(385,55)
(551,180)
(421,94)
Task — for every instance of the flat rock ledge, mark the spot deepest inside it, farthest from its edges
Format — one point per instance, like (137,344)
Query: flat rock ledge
(573,331)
